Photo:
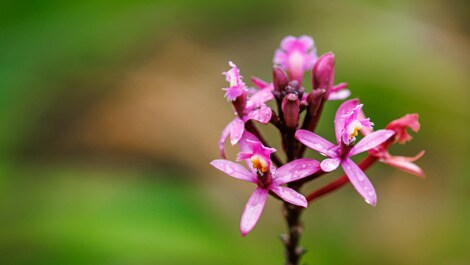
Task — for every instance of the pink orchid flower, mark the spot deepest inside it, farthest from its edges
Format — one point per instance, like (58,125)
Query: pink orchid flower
(266,177)
(399,126)
(296,55)
(347,125)
(253,109)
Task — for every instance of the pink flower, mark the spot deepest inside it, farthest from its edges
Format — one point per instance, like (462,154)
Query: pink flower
(266,177)
(399,126)
(237,86)
(296,55)
(347,123)
(253,109)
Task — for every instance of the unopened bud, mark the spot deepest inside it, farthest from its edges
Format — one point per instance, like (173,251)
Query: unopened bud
(314,100)
(290,109)
(323,72)
(280,80)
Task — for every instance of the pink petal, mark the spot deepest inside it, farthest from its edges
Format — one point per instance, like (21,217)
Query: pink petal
(405,163)
(306,41)
(259,83)
(340,95)
(237,127)
(259,98)
(262,115)
(400,127)
(365,130)
(288,42)
(297,169)
(371,141)
(316,142)
(289,195)
(360,181)
(330,164)
(245,147)
(280,58)
(253,209)
(234,170)
(223,138)
(344,109)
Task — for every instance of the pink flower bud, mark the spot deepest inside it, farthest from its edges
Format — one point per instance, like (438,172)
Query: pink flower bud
(323,72)
(290,109)
(280,79)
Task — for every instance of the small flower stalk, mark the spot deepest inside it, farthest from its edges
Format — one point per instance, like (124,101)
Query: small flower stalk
(282,102)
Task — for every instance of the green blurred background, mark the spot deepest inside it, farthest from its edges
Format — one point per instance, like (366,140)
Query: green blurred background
(110,112)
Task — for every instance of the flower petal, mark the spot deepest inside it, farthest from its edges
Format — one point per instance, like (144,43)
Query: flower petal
(371,141)
(360,181)
(222,140)
(259,98)
(297,169)
(234,170)
(405,163)
(316,142)
(340,95)
(289,195)
(262,115)
(344,109)
(253,209)
(260,83)
(330,164)
(236,130)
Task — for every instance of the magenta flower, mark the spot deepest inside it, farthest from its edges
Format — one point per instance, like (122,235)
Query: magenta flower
(252,109)
(347,125)
(399,126)
(296,55)
(266,177)
(237,86)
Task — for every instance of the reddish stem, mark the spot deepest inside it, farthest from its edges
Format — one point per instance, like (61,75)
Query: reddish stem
(341,181)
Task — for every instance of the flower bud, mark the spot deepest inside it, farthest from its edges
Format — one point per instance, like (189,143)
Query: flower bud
(314,100)
(290,109)
(280,80)
(323,72)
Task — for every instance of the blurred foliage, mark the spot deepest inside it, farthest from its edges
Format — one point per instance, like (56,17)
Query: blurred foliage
(109,204)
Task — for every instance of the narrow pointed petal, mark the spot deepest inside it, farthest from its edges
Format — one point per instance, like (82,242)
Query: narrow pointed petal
(289,195)
(405,163)
(316,142)
(237,128)
(259,83)
(297,169)
(253,209)
(262,115)
(234,170)
(259,98)
(360,181)
(330,164)
(223,138)
(371,141)
(339,95)
(344,109)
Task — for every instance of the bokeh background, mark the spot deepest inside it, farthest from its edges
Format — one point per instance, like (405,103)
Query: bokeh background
(110,112)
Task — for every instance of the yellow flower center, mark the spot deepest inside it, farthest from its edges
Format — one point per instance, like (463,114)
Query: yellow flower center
(259,163)
(353,129)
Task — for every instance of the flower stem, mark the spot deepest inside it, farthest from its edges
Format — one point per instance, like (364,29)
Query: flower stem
(293,251)
(339,182)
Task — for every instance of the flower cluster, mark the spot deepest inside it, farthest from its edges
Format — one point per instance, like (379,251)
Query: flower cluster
(283,180)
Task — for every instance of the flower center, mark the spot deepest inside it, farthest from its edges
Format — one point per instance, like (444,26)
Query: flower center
(259,163)
(353,129)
